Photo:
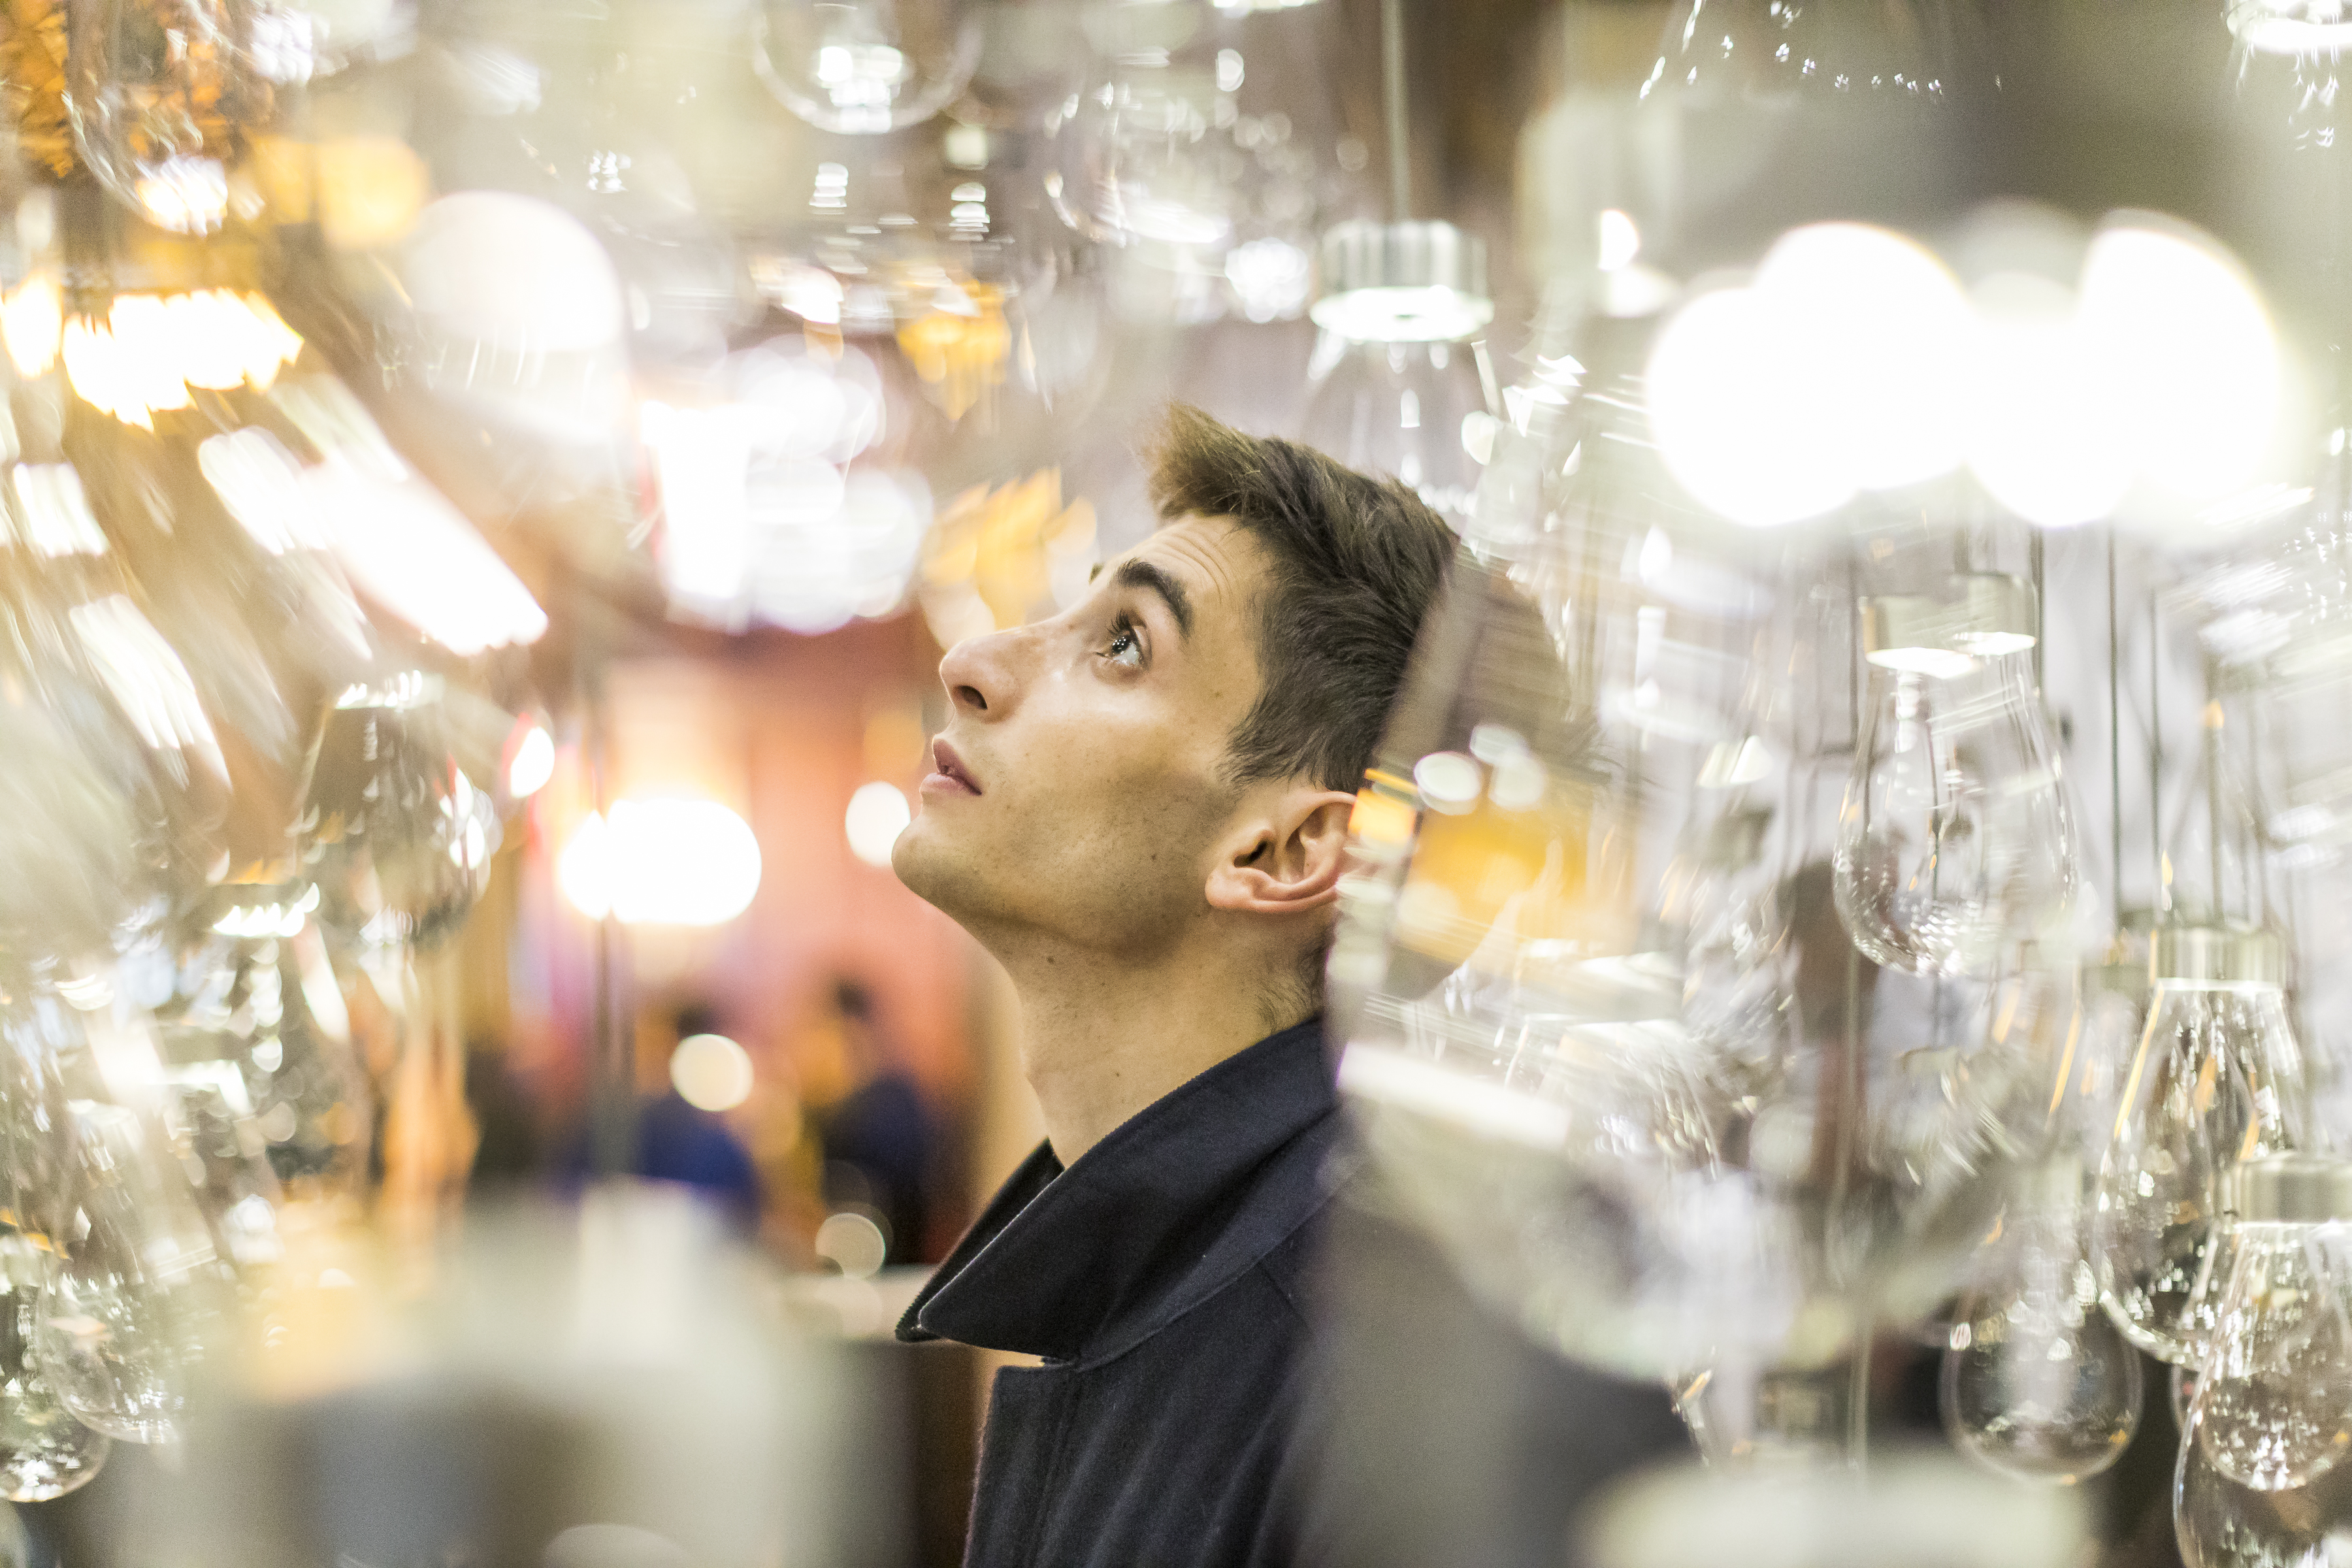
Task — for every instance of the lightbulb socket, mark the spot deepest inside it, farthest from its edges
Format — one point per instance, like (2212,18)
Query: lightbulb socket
(1401,282)
(1983,612)
(2215,955)
(2289,1189)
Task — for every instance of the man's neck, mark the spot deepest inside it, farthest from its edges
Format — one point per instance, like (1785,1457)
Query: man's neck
(1102,1039)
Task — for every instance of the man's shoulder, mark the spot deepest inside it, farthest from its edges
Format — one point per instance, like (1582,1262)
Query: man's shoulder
(1252,1273)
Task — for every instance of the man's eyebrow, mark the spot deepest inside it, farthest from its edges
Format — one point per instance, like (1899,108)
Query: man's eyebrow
(1152,579)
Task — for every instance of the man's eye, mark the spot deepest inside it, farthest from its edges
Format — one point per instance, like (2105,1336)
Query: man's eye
(1125,646)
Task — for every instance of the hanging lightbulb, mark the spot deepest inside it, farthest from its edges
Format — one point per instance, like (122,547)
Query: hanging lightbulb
(1396,388)
(130,1310)
(1954,835)
(1202,156)
(387,786)
(2037,1382)
(2218,1077)
(864,66)
(44,1451)
(2259,1478)
(2274,1400)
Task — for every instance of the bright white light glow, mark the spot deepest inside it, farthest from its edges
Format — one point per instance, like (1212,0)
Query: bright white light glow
(490,268)
(403,544)
(1428,314)
(661,862)
(1448,781)
(2291,26)
(877,814)
(147,678)
(57,520)
(1729,432)
(2190,354)
(30,322)
(762,512)
(852,1243)
(1885,325)
(2045,436)
(186,195)
(1836,371)
(149,350)
(1936,663)
(1621,242)
(1852,363)
(255,920)
(533,764)
(710,1072)
(261,483)
(1271,277)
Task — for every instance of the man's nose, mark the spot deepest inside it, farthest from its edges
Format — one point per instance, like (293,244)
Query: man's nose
(983,675)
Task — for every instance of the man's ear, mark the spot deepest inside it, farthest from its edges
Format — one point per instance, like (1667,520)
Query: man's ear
(1287,859)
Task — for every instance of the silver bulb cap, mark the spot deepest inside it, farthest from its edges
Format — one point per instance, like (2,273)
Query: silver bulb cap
(2289,1189)
(2290,27)
(2215,955)
(1981,614)
(1401,283)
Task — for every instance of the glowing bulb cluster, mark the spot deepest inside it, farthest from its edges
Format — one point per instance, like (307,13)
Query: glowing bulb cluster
(1854,361)
(149,352)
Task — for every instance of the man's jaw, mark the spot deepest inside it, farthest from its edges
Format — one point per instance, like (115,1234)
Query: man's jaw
(949,776)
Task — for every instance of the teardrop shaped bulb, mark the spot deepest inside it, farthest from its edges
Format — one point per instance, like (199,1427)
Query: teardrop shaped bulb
(2276,1388)
(2220,1523)
(2218,1077)
(2038,1382)
(1954,836)
(133,1307)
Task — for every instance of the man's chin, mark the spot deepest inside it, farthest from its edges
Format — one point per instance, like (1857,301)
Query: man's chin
(924,864)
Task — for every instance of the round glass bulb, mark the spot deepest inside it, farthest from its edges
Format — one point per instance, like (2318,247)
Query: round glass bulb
(2276,1389)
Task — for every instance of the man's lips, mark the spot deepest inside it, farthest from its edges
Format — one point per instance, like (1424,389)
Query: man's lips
(948,771)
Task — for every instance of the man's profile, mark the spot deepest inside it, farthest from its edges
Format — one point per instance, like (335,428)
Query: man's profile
(1140,807)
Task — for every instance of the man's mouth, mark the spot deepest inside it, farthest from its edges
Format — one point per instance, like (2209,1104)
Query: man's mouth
(948,771)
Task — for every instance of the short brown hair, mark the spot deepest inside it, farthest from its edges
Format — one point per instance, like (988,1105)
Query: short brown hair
(1356,562)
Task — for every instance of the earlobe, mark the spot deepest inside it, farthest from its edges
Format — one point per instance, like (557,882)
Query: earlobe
(1288,862)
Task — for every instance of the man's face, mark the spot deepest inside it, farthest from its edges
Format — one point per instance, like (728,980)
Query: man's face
(1075,791)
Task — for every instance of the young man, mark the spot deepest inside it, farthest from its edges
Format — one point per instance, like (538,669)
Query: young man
(1140,807)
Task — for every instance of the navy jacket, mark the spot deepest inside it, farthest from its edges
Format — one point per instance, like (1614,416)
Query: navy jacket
(1163,1279)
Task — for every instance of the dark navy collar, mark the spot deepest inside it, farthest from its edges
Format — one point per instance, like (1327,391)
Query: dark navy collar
(1179,1200)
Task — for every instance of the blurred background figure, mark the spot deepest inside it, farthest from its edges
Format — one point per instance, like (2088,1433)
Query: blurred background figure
(681,1135)
(507,1151)
(879,1136)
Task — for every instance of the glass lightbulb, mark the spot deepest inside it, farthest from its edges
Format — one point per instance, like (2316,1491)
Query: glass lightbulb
(130,1310)
(1954,833)
(2037,1382)
(44,1451)
(2218,1077)
(386,784)
(862,66)
(1416,411)
(2275,1391)
(1205,152)
(2219,1523)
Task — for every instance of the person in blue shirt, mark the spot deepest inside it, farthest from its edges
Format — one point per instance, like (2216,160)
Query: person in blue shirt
(678,1141)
